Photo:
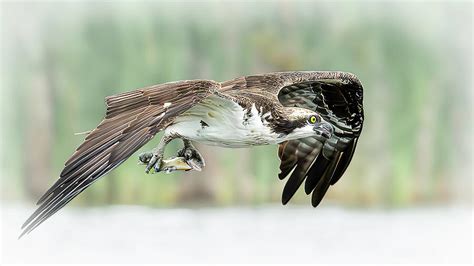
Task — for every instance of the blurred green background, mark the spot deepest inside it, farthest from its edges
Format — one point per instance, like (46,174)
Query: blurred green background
(60,59)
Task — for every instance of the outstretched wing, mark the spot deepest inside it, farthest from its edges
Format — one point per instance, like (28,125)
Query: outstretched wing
(132,119)
(337,97)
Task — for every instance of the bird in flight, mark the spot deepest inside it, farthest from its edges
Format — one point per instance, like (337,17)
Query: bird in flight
(315,117)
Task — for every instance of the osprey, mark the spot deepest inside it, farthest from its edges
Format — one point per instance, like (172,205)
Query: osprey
(315,118)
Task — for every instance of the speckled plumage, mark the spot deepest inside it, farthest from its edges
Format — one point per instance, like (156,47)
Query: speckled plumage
(133,118)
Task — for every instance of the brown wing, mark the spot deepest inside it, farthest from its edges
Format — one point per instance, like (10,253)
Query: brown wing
(132,119)
(337,97)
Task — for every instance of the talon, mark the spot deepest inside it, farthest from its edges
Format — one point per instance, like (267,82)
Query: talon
(195,164)
(154,163)
(193,157)
(145,157)
(188,154)
(188,159)
(156,167)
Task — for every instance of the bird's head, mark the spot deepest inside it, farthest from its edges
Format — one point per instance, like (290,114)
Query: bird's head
(308,123)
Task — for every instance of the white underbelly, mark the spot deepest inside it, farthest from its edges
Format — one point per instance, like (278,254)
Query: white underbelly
(221,122)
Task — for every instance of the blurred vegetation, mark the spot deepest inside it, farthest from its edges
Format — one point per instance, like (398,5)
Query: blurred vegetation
(59,61)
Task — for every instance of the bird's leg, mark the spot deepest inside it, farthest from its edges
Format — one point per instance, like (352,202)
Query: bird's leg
(155,157)
(191,155)
(188,157)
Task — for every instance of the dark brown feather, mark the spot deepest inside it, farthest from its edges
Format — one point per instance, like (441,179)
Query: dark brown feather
(337,97)
(343,163)
(298,175)
(324,182)
(131,120)
(315,173)
(288,158)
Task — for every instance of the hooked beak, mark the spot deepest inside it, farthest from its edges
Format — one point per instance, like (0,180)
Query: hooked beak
(323,129)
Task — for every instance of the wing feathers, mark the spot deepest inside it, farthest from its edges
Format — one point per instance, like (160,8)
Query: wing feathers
(337,97)
(60,192)
(131,120)
(102,140)
(323,184)
(130,145)
(298,175)
(343,163)
(315,173)
(288,158)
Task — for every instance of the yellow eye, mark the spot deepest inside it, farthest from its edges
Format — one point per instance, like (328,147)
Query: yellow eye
(312,119)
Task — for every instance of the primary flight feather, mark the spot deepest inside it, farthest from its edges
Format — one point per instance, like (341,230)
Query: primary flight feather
(315,117)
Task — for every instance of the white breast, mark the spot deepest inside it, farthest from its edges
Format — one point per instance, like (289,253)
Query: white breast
(221,122)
